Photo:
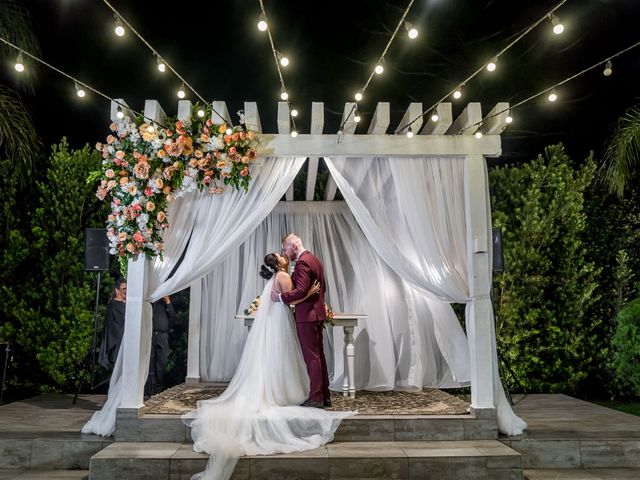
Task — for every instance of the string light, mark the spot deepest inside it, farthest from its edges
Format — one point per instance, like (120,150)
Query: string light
(201,113)
(553,96)
(508,118)
(412,32)
(151,128)
(19,66)
(478,134)
(283,94)
(162,67)
(181,92)
(119,28)
(262,23)
(284,61)
(229,131)
(434,117)
(379,69)
(457,93)
(356,118)
(558,27)
(294,112)
(358,96)
(491,66)
(409,132)
(608,69)
(294,133)
(119,112)
(79,91)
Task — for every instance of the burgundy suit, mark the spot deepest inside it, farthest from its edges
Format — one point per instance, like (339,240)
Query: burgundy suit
(310,317)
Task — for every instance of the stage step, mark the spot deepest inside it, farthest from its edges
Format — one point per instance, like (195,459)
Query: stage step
(583,474)
(28,474)
(131,427)
(476,459)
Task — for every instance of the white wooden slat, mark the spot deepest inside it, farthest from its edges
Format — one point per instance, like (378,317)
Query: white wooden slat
(381,119)
(413,112)
(348,128)
(153,112)
(468,121)
(284,127)
(185,109)
(220,114)
(495,121)
(382,145)
(317,126)
(445,119)
(128,114)
(252,117)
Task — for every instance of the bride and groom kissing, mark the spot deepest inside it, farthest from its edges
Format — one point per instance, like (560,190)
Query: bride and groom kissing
(282,371)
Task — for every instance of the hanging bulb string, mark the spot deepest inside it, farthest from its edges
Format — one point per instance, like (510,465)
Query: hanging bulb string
(495,58)
(546,90)
(157,55)
(275,58)
(381,58)
(75,80)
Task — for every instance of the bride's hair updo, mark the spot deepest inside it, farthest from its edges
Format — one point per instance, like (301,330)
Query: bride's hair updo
(270,267)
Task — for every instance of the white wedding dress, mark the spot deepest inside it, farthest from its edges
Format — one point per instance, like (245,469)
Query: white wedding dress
(258,413)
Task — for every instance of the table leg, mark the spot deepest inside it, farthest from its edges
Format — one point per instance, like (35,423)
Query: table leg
(350,354)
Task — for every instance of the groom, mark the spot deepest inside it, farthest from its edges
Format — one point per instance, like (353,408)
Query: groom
(310,317)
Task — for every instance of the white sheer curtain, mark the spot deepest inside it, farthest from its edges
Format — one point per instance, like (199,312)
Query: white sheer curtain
(412,210)
(396,346)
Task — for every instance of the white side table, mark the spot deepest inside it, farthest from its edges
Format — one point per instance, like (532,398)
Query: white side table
(348,321)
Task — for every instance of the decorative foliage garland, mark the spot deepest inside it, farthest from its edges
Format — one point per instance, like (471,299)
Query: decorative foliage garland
(145,166)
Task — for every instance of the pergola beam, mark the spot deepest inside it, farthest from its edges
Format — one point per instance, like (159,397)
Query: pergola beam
(317,125)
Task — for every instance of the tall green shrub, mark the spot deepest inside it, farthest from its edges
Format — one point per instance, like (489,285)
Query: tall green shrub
(626,349)
(50,315)
(549,280)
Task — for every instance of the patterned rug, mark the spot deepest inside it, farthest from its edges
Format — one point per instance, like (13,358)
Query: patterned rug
(184,398)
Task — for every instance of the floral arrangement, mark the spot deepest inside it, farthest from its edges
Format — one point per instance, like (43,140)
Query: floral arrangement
(146,166)
(330,314)
(253,307)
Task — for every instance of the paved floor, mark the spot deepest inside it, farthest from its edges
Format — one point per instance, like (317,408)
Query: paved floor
(583,474)
(27,474)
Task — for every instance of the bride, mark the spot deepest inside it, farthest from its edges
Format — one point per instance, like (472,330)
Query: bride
(259,412)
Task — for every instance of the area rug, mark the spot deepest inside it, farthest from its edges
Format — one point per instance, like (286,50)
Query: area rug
(184,398)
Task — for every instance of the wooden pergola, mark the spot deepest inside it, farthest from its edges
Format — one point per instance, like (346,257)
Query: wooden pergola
(446,137)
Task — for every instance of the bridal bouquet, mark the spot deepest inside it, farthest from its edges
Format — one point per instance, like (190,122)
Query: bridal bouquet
(253,307)
(330,314)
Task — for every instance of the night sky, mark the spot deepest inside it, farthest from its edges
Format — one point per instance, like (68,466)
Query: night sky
(333,45)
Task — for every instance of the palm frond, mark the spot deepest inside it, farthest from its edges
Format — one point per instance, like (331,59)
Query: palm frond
(18,138)
(622,153)
(16,27)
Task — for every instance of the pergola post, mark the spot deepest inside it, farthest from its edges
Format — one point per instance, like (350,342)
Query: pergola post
(135,356)
(193,342)
(478,320)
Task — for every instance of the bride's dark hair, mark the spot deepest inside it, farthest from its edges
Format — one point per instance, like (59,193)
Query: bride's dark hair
(270,267)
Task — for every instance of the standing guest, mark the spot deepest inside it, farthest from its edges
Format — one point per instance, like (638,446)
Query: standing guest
(113,325)
(163,312)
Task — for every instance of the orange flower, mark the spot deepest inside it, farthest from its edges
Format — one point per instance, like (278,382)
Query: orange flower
(193,162)
(111,139)
(250,134)
(166,190)
(162,153)
(161,216)
(159,183)
(150,206)
(227,139)
(220,164)
(198,153)
(204,137)
(235,137)
(124,180)
(222,128)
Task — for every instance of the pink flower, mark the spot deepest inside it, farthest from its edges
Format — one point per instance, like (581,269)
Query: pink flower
(150,206)
(161,216)
(244,172)
(232,150)
(109,173)
(111,139)
(138,237)
(119,154)
(148,192)
(122,237)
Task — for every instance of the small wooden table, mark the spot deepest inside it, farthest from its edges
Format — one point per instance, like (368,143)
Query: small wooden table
(348,321)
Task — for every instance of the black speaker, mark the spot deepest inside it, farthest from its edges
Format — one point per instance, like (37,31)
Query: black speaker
(96,250)
(498,258)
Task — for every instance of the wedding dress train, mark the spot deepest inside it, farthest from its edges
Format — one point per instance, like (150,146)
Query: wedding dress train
(258,414)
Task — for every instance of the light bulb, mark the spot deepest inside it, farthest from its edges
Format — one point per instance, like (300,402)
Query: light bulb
(434,117)
(284,61)
(161,65)
(294,133)
(458,93)
(491,66)
(151,128)
(478,134)
(284,95)
(119,112)
(119,28)
(19,65)
(358,96)
(294,113)
(608,69)
(558,27)
(181,92)
(262,23)
(508,119)
(379,69)
(553,96)
(411,30)
(356,118)
(79,91)
(201,113)
(229,131)
(409,132)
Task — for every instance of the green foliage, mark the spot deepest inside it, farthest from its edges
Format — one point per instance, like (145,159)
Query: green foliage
(622,154)
(626,348)
(49,314)
(549,281)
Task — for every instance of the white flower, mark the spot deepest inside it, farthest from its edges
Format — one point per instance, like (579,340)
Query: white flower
(156,143)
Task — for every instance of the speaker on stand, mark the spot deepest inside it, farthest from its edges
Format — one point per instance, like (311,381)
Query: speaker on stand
(96,259)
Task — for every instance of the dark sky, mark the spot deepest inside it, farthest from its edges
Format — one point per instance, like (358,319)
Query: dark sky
(333,45)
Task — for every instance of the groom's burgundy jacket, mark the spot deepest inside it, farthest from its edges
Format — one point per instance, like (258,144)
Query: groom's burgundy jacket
(308,269)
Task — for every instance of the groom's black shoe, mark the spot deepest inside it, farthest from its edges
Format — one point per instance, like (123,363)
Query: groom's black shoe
(327,403)
(310,403)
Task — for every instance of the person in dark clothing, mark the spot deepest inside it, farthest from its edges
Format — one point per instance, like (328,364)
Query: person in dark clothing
(163,313)
(113,325)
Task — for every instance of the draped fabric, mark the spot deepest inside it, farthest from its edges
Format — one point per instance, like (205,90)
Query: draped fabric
(396,345)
